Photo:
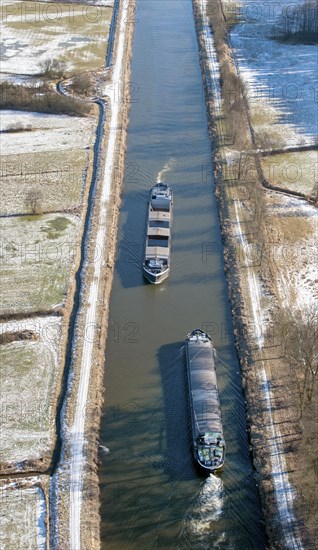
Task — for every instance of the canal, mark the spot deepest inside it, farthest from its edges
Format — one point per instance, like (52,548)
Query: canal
(152,496)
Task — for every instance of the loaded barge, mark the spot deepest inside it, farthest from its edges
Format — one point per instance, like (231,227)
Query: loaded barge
(207,430)
(156,264)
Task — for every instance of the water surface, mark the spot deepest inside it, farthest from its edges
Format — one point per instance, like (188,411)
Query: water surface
(151,494)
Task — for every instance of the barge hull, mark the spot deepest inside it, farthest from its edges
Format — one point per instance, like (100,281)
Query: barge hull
(156,264)
(207,429)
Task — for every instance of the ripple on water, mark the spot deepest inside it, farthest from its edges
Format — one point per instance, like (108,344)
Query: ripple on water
(206,510)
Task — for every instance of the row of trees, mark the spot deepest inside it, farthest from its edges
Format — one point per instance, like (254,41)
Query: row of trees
(299,23)
(42,99)
(298,335)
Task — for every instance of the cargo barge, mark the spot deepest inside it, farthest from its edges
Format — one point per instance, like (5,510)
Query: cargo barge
(207,430)
(156,263)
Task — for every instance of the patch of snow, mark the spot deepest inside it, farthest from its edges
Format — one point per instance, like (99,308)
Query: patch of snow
(24,514)
(102,3)
(259,324)
(42,516)
(48,132)
(283,491)
(34,81)
(37,257)
(213,75)
(298,276)
(288,133)
(76,431)
(281,74)
(33,32)
(27,415)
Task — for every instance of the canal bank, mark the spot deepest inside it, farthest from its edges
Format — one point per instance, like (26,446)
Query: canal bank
(272,415)
(151,494)
(74,491)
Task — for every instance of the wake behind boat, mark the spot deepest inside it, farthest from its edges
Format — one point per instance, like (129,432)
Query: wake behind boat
(207,430)
(156,265)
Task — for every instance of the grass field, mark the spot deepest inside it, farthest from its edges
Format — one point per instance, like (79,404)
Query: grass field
(296,171)
(29,373)
(293,225)
(73,34)
(275,244)
(47,157)
(36,254)
(269,130)
(48,153)
(23,526)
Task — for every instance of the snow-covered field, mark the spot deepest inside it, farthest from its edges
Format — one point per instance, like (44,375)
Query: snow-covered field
(44,132)
(36,256)
(29,374)
(48,155)
(46,152)
(295,257)
(104,3)
(279,76)
(75,433)
(297,171)
(73,34)
(284,493)
(23,525)
(291,225)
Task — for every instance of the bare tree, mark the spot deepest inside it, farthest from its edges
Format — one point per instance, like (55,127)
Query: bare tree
(298,22)
(315,191)
(83,84)
(298,331)
(52,68)
(34,200)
